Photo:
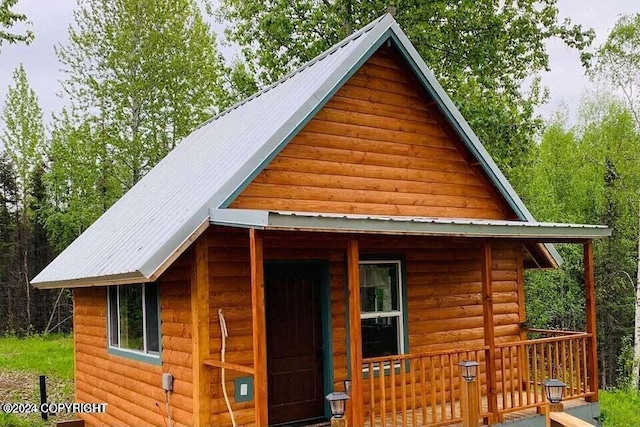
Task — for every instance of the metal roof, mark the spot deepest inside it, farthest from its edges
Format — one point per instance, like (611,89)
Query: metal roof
(142,233)
(423,226)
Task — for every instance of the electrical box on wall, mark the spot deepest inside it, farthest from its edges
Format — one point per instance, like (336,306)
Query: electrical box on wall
(243,389)
(167,381)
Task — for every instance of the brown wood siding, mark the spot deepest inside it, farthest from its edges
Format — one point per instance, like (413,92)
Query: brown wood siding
(130,388)
(375,148)
(443,286)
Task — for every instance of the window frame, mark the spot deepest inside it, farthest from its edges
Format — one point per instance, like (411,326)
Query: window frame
(400,313)
(145,355)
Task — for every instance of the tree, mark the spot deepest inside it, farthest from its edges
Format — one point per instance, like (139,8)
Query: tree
(8,19)
(589,174)
(23,139)
(140,76)
(8,239)
(618,63)
(481,51)
(80,183)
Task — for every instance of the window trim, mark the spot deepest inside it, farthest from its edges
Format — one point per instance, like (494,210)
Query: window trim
(144,355)
(400,314)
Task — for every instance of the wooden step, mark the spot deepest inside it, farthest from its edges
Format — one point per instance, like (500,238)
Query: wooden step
(568,420)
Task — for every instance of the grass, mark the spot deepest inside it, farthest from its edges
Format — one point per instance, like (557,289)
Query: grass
(50,355)
(620,408)
(22,360)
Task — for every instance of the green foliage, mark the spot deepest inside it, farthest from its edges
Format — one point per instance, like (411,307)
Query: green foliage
(44,355)
(80,183)
(589,174)
(8,19)
(481,52)
(619,408)
(618,61)
(23,136)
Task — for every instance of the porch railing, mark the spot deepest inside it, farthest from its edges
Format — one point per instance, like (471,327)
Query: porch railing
(522,366)
(424,389)
(415,389)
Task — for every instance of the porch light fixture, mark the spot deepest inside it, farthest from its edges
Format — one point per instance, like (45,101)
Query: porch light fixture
(347,386)
(554,389)
(469,370)
(337,403)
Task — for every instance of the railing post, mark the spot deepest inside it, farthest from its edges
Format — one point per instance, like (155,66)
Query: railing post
(489,336)
(470,403)
(590,306)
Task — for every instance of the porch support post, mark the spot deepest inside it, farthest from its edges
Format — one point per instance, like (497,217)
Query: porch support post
(259,329)
(590,306)
(355,334)
(489,336)
(200,332)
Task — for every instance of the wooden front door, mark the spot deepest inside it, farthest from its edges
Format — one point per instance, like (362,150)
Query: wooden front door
(294,342)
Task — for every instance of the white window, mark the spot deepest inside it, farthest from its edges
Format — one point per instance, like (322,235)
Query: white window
(133,319)
(381,313)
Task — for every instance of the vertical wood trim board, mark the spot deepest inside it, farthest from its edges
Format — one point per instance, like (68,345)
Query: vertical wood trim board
(200,337)
(590,306)
(489,332)
(355,334)
(259,328)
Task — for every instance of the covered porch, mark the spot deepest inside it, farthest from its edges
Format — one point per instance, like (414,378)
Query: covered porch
(420,386)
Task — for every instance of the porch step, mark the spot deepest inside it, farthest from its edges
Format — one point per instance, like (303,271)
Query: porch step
(567,420)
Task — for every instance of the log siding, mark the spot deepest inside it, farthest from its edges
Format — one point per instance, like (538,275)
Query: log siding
(377,147)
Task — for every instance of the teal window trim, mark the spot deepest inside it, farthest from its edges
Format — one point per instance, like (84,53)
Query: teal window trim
(401,260)
(154,358)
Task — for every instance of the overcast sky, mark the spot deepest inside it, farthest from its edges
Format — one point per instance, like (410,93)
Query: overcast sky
(51,19)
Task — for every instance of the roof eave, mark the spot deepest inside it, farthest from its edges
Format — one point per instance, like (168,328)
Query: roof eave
(115,279)
(535,232)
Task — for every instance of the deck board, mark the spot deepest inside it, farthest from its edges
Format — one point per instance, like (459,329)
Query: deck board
(428,420)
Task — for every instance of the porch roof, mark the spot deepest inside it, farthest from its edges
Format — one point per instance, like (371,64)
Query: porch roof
(420,226)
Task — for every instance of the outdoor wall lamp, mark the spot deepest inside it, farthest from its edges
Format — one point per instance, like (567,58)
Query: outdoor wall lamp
(347,386)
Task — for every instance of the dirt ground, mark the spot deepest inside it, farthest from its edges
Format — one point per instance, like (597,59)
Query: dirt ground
(23,387)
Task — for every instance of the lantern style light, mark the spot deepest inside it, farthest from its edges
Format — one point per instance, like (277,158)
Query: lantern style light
(469,370)
(337,403)
(347,386)
(554,389)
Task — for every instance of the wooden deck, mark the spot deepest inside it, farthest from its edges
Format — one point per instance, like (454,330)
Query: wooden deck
(419,418)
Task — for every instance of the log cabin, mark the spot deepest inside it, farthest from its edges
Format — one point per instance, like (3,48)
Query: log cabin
(344,223)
